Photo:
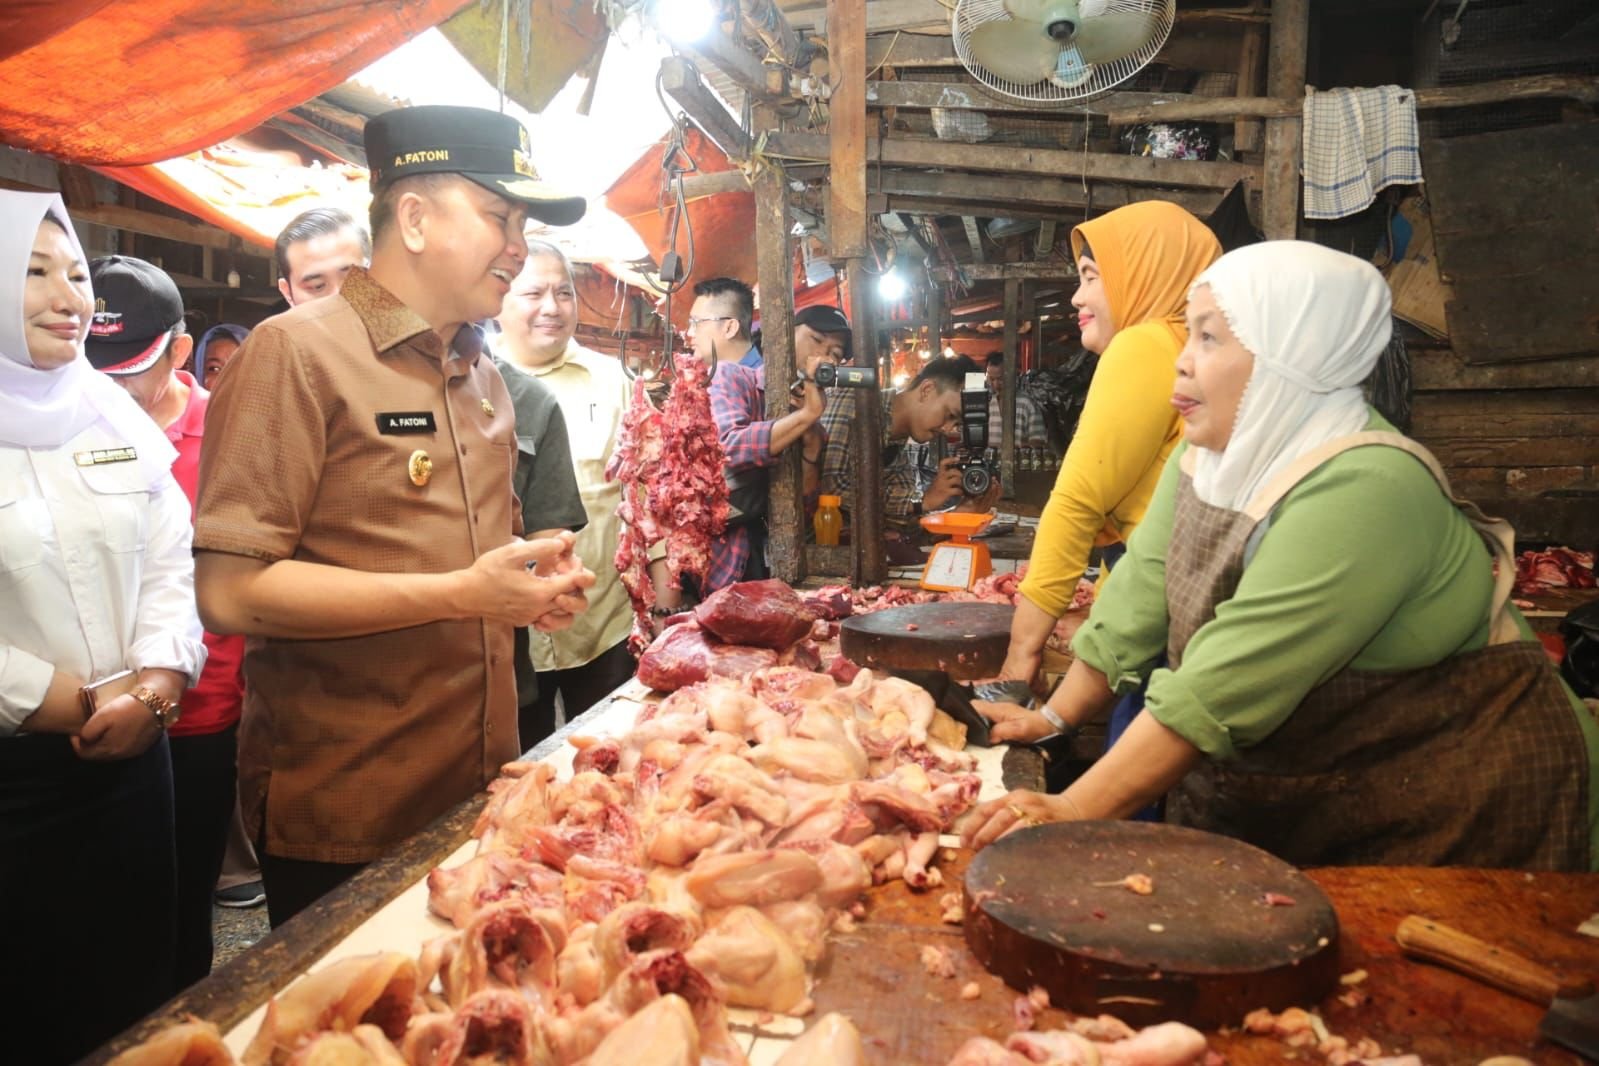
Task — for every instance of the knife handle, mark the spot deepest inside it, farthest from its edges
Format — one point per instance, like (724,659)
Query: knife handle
(1423,938)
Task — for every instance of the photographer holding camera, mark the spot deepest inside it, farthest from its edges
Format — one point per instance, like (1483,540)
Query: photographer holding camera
(929,406)
(969,479)
(719,327)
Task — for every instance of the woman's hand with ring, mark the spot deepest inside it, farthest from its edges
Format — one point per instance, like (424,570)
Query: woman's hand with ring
(1015,810)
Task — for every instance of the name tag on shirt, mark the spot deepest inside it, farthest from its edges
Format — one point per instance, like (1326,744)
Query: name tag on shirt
(105,455)
(402,422)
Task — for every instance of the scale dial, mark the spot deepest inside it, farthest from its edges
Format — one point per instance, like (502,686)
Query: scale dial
(949,566)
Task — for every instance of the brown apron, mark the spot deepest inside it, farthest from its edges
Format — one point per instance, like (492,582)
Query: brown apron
(1476,761)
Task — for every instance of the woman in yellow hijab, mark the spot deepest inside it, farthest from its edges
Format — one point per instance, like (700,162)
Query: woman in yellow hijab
(1135,266)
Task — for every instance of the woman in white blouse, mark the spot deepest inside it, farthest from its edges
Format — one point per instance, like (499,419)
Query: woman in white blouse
(96,577)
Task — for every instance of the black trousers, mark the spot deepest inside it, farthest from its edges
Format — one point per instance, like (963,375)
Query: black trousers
(580,688)
(204,788)
(88,879)
(292,885)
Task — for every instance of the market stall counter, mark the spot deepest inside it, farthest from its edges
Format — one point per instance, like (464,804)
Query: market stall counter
(876,970)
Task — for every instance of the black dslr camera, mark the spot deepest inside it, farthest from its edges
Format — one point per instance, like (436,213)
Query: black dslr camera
(978,470)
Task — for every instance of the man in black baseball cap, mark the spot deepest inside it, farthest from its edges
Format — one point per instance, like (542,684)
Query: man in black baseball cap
(358,515)
(823,326)
(137,335)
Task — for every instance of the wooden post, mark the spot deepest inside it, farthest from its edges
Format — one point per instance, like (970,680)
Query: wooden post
(1037,315)
(866,452)
(774,261)
(1007,401)
(846,70)
(846,234)
(935,319)
(1246,132)
(1285,79)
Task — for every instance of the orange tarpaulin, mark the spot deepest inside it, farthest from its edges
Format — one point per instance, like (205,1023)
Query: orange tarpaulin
(251,185)
(138,81)
(723,226)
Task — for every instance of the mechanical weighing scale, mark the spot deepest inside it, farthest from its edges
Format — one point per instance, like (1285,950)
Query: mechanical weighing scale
(957,563)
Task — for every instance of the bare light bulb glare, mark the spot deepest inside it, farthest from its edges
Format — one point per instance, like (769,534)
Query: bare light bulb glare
(684,21)
(891,287)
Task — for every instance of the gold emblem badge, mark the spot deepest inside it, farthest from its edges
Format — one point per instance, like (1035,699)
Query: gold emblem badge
(488,408)
(420,468)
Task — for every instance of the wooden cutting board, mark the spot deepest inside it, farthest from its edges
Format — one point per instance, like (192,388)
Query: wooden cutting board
(1226,928)
(967,641)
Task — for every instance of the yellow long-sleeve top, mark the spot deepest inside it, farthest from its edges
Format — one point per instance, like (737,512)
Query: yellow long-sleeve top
(1127,429)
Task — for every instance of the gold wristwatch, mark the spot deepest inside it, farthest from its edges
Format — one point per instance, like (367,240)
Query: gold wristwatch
(165,710)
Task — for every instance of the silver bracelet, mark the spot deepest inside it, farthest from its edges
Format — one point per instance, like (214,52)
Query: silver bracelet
(1054,719)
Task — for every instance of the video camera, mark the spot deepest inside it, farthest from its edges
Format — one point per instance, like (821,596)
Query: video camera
(978,469)
(849,377)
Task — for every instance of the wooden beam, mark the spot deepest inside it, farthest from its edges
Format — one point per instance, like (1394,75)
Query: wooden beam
(137,220)
(743,69)
(1285,80)
(910,50)
(774,264)
(766,21)
(682,83)
(880,16)
(1212,46)
(1002,193)
(935,319)
(846,139)
(919,205)
(1045,244)
(1048,162)
(1055,270)
(714,183)
(971,95)
(974,237)
(1441,370)
(1170,108)
(1007,401)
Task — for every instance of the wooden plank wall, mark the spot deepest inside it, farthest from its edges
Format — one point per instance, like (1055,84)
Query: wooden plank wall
(1521,440)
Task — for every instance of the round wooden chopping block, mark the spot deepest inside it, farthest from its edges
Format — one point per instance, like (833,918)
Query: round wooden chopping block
(1227,928)
(967,641)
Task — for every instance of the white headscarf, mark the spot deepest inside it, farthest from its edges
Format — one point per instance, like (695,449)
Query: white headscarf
(1315,320)
(47,408)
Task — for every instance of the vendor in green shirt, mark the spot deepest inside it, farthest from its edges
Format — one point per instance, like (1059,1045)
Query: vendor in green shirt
(1347,681)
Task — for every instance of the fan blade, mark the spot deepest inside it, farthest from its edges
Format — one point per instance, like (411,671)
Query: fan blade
(1043,11)
(1016,51)
(1106,38)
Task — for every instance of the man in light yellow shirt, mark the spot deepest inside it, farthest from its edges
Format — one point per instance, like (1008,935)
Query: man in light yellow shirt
(587,661)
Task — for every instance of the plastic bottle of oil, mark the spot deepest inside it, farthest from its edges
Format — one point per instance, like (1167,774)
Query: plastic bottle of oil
(829,520)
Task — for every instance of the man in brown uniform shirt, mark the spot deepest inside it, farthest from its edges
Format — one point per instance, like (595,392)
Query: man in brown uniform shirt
(357,518)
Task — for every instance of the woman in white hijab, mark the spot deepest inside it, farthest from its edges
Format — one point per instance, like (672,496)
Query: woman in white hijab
(97,578)
(1347,682)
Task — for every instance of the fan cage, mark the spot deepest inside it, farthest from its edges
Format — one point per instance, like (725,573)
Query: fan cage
(970,14)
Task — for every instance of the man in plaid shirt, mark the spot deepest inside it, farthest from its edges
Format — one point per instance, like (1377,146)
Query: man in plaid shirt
(930,405)
(719,327)
(1031,431)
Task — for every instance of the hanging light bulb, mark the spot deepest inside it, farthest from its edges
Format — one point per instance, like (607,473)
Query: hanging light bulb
(684,21)
(233,279)
(949,353)
(891,287)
